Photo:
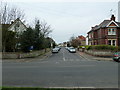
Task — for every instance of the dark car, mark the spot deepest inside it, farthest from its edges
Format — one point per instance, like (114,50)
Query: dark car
(116,56)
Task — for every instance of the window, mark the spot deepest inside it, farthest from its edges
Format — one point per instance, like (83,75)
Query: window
(111,31)
(109,42)
(112,42)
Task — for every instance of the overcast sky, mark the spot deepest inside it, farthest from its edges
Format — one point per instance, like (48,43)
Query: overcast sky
(68,17)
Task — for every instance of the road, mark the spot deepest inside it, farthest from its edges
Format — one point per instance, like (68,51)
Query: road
(62,69)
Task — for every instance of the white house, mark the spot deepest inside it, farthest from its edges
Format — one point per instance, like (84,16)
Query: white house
(17,26)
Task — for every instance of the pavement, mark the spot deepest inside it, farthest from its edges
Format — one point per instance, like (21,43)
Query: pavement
(87,56)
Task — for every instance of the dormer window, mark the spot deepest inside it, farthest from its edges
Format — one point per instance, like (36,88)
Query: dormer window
(111,31)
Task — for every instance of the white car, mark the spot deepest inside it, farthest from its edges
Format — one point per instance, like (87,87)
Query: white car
(67,48)
(58,48)
(72,50)
(55,50)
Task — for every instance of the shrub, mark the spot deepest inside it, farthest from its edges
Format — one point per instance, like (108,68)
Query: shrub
(102,47)
(118,48)
(88,47)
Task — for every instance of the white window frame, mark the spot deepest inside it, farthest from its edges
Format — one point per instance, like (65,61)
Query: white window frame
(112,41)
(111,31)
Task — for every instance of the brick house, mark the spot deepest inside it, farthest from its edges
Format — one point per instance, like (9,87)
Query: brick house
(106,33)
(82,40)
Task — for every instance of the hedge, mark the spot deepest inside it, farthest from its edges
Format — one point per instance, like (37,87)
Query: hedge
(101,47)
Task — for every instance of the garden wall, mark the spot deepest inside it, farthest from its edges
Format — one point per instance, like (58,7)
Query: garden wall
(16,55)
(99,53)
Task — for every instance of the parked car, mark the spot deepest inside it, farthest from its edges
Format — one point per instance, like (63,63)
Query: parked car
(72,50)
(58,48)
(116,56)
(67,48)
(55,50)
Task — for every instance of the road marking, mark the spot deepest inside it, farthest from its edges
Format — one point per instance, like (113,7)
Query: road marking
(63,56)
(57,62)
(78,66)
(71,87)
(64,59)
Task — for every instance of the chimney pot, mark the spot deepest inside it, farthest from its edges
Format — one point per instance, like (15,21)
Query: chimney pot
(12,21)
(113,17)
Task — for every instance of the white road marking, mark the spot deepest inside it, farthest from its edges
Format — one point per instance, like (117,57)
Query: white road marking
(71,87)
(64,59)
(57,62)
(63,56)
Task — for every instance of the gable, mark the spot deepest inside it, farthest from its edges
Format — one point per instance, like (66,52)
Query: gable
(112,24)
(18,25)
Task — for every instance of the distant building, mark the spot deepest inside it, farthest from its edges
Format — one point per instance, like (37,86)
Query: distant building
(82,40)
(86,40)
(65,44)
(106,33)
(119,11)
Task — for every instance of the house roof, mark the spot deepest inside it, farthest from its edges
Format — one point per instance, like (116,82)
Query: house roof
(118,23)
(101,25)
(105,23)
(16,21)
(81,37)
(7,26)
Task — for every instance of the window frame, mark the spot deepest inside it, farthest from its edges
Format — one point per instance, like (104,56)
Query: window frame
(111,31)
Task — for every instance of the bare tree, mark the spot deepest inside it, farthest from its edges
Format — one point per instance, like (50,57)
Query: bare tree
(8,13)
(72,38)
(45,28)
(74,41)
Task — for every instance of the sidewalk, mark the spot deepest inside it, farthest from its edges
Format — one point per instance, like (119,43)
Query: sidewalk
(87,56)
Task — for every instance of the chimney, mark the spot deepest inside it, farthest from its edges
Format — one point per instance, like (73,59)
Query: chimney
(113,17)
(12,21)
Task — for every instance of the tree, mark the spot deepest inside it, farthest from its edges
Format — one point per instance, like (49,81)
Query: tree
(27,39)
(7,13)
(75,42)
(45,29)
(42,30)
(38,36)
(10,41)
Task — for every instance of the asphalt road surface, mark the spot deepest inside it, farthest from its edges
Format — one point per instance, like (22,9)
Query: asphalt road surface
(62,69)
